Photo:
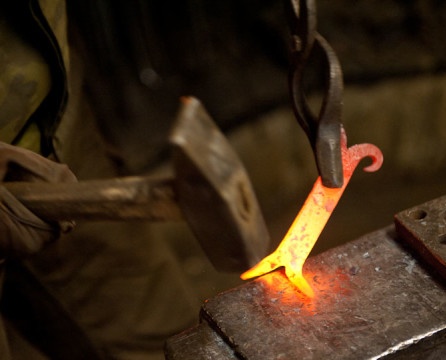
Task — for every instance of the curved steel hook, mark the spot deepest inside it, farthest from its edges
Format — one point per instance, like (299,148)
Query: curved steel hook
(309,223)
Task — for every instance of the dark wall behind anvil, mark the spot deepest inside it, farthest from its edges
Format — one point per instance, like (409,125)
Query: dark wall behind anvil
(233,56)
(376,39)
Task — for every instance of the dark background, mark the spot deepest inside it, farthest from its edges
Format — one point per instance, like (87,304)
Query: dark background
(233,55)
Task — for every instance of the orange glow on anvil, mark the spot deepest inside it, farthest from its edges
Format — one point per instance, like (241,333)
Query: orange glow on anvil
(278,289)
(310,221)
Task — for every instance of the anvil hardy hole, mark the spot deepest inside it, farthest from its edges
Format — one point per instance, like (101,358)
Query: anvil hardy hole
(417,214)
(442,239)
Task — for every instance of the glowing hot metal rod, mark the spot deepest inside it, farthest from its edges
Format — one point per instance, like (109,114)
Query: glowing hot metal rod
(310,221)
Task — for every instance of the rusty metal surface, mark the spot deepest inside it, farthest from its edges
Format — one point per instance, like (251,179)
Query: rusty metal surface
(373,300)
(424,228)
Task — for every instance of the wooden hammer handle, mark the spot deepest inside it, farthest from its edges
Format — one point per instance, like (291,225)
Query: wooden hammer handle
(119,199)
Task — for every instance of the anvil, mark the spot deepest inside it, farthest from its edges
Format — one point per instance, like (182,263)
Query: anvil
(378,297)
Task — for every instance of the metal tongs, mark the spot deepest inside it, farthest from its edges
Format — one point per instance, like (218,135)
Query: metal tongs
(336,162)
(323,130)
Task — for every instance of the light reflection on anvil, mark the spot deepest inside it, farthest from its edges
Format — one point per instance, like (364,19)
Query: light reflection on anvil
(277,289)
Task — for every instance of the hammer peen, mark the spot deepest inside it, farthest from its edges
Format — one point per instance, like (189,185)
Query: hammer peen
(210,190)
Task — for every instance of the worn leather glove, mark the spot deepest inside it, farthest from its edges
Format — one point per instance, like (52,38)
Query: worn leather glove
(21,232)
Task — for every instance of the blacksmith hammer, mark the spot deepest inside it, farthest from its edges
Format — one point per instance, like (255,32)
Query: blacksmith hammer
(211,191)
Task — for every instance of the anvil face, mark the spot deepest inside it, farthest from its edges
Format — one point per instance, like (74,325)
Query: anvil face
(373,300)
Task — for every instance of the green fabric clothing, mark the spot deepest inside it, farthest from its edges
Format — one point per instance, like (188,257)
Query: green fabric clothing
(121,281)
(125,284)
(24,82)
(33,78)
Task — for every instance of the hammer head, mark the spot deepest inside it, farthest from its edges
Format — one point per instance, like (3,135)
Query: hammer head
(215,193)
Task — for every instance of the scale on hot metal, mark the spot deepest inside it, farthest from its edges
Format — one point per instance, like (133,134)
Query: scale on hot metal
(381,296)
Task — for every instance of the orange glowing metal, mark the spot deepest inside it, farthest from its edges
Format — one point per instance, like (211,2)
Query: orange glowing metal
(309,223)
